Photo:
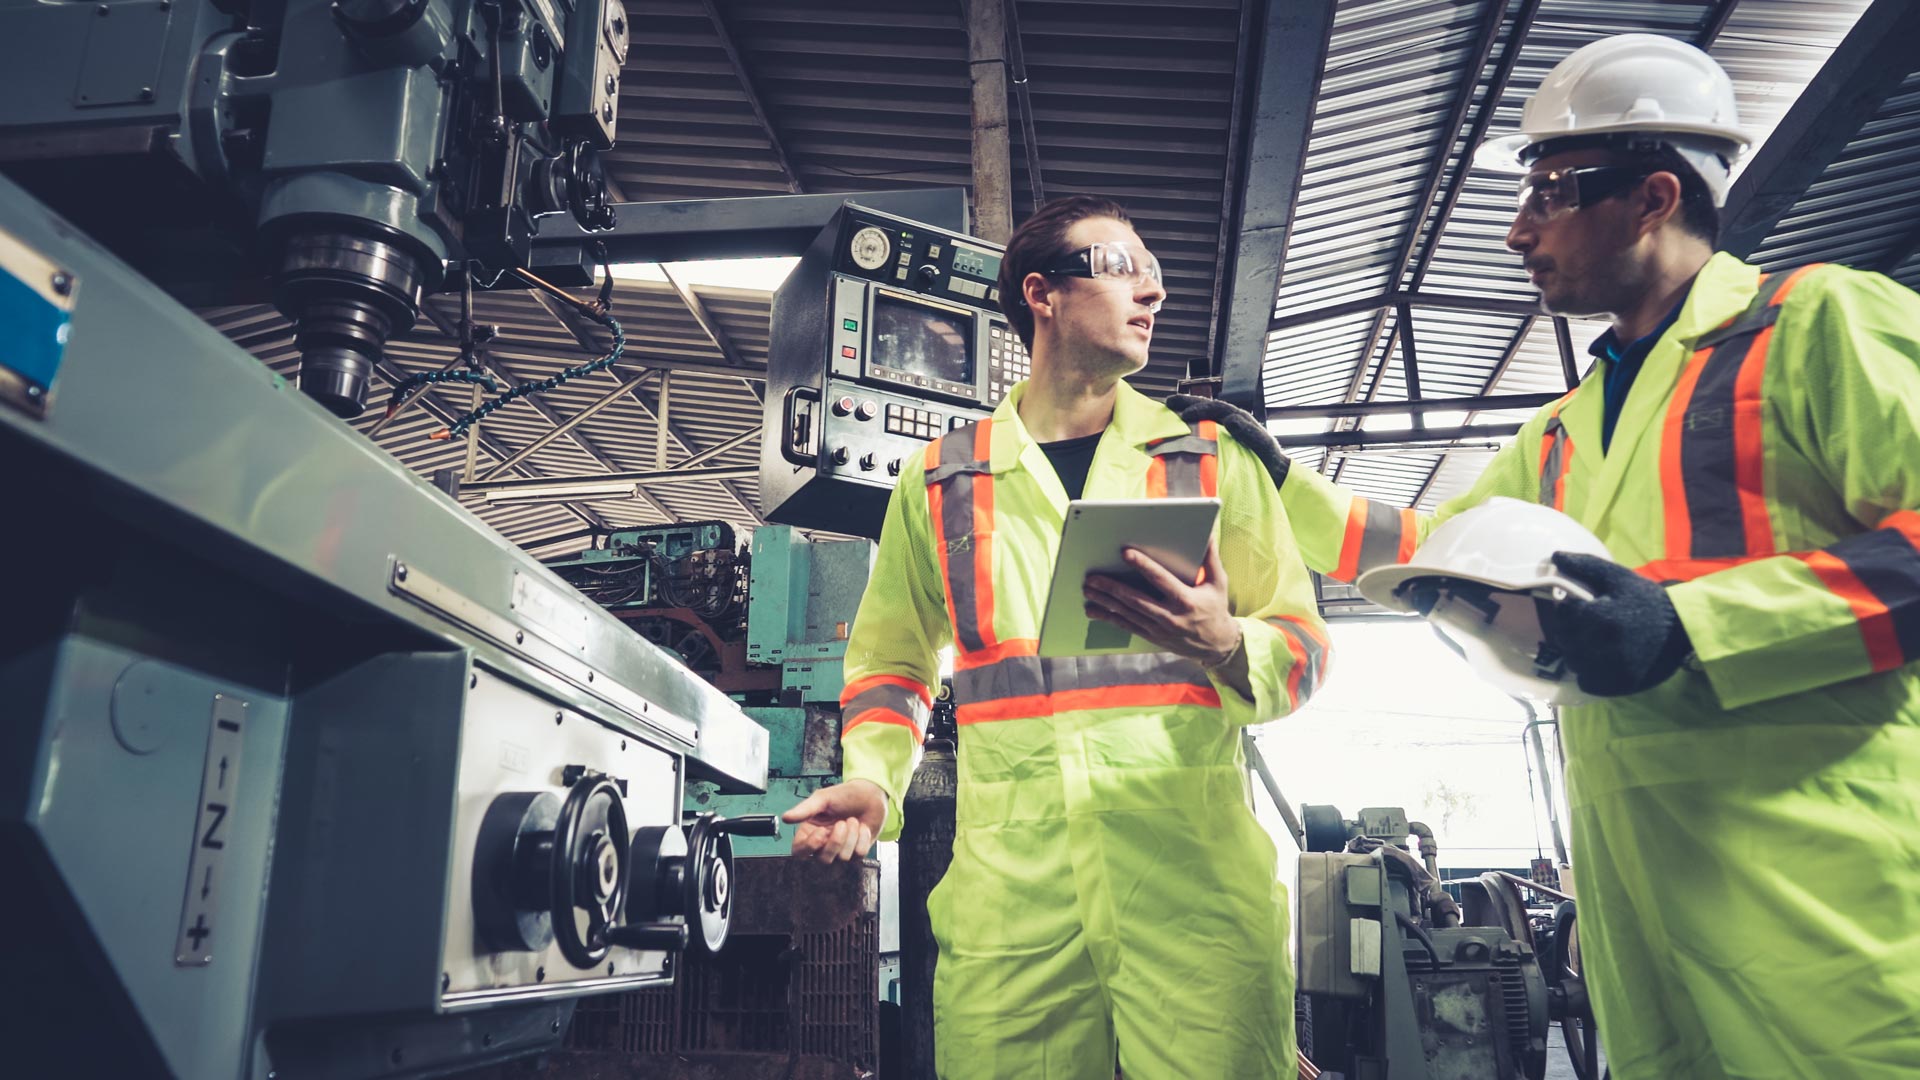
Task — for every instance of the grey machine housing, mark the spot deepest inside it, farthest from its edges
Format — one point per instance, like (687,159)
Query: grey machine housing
(263,687)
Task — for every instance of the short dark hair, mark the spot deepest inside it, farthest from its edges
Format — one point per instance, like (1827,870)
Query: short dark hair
(1698,215)
(1040,240)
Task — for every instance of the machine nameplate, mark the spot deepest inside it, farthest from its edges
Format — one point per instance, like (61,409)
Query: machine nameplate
(409,582)
(36,309)
(1364,955)
(551,615)
(213,824)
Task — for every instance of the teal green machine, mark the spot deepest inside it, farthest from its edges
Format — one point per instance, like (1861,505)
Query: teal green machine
(768,626)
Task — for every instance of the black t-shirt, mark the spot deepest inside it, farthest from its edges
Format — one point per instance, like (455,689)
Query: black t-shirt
(1071,458)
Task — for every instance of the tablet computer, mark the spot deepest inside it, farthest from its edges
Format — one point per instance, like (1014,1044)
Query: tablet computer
(1097,532)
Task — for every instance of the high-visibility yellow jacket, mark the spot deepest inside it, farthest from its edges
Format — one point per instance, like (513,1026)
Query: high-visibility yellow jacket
(1102,808)
(1748,832)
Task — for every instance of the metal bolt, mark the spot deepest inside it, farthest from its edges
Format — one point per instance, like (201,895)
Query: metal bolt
(473,682)
(556,1027)
(146,93)
(540,975)
(613,85)
(589,676)
(104,10)
(519,637)
(34,391)
(398,1055)
(487,1039)
(62,282)
(609,969)
(623,744)
(558,716)
(606,112)
(446,980)
(400,571)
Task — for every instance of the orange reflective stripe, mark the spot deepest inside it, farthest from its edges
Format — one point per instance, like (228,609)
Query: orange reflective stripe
(1349,567)
(1669,570)
(886,699)
(1118,697)
(983,535)
(1210,463)
(1409,535)
(1876,629)
(1673,484)
(1157,478)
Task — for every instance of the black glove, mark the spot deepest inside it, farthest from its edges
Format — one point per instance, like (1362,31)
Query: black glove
(1628,638)
(1239,423)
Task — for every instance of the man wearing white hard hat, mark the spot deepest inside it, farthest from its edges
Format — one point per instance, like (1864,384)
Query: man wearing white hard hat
(1745,782)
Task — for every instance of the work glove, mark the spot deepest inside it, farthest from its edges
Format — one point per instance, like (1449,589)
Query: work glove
(1628,638)
(1239,423)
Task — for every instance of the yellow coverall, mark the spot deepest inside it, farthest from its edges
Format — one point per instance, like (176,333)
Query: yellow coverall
(1748,832)
(1110,884)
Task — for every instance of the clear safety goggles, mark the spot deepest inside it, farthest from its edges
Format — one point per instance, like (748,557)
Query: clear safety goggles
(1546,196)
(1119,260)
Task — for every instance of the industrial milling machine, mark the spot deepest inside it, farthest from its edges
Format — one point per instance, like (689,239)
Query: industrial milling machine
(306,772)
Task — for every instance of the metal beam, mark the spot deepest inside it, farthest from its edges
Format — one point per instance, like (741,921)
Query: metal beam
(1292,55)
(1569,366)
(1483,403)
(1029,142)
(747,87)
(711,327)
(440,412)
(1392,438)
(763,226)
(1486,305)
(987,74)
(1902,249)
(1716,21)
(1492,16)
(562,425)
(578,329)
(675,475)
(1866,67)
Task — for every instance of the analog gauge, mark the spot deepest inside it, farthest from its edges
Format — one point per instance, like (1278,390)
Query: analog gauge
(870,248)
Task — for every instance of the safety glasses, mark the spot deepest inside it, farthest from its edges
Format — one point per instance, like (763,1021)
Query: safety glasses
(1116,260)
(1546,196)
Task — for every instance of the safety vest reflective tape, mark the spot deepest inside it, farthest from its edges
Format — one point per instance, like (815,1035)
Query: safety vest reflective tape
(886,699)
(1556,459)
(1308,646)
(1378,534)
(1008,680)
(1712,460)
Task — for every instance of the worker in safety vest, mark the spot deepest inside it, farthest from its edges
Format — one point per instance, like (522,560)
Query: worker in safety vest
(1110,886)
(1746,792)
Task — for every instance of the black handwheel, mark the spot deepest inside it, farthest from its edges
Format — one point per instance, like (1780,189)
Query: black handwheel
(709,881)
(1325,829)
(1568,991)
(591,846)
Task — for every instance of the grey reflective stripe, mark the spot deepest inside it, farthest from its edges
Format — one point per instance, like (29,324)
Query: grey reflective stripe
(956,471)
(946,471)
(896,699)
(1185,444)
(1316,653)
(1380,543)
(1759,314)
(1550,467)
(1032,676)
(1182,456)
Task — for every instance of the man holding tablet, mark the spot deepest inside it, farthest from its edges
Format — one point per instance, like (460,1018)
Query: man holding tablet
(1112,896)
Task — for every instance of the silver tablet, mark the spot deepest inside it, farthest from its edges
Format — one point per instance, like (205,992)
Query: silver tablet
(1173,531)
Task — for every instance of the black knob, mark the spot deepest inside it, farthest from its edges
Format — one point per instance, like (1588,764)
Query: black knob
(930,272)
(750,825)
(893,467)
(867,462)
(839,455)
(670,937)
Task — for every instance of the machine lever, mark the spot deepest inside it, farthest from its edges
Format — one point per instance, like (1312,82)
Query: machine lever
(667,936)
(750,825)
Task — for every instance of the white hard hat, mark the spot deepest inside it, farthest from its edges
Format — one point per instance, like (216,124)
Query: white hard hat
(1633,84)
(1476,579)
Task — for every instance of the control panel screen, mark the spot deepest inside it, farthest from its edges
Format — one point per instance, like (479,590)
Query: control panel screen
(979,262)
(921,340)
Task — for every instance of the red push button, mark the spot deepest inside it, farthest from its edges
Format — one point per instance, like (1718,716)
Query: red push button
(847,351)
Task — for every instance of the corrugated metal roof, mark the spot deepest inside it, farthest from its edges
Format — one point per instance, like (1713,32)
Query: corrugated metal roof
(1132,99)
(1394,66)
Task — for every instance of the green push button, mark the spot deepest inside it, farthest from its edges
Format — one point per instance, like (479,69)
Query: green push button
(850,324)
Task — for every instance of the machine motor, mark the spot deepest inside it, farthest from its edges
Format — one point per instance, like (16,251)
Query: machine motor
(885,336)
